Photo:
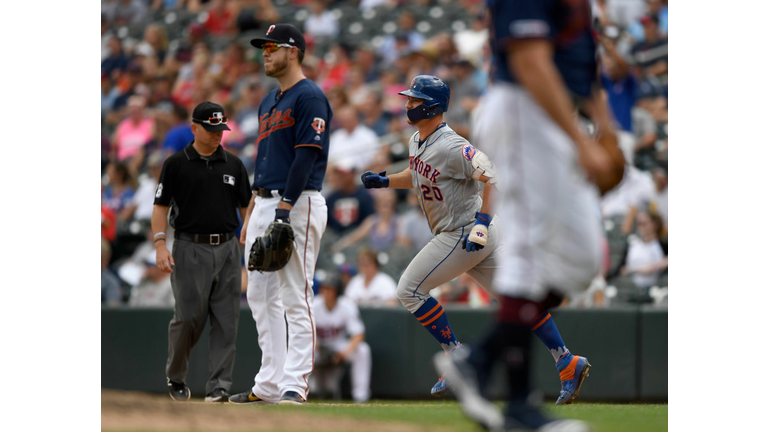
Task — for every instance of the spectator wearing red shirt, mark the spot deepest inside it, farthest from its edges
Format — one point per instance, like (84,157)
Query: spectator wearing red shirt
(220,18)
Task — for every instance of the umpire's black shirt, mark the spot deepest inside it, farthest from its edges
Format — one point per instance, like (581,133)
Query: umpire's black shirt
(204,192)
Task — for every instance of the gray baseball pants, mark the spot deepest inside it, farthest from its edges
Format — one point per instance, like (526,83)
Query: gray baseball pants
(206,282)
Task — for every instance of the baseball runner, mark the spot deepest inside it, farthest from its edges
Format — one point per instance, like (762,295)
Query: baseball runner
(448,172)
(292,153)
(543,61)
(336,317)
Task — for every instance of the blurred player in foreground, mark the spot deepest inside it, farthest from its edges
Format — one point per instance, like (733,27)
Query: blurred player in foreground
(448,172)
(543,62)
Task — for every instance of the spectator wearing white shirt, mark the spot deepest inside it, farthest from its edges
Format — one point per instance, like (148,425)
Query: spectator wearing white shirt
(370,287)
(142,203)
(340,332)
(646,257)
(352,141)
(635,189)
(321,22)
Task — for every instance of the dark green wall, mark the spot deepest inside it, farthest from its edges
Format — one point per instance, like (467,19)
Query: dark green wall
(626,347)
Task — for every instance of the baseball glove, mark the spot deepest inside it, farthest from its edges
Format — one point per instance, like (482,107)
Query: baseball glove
(272,251)
(610,143)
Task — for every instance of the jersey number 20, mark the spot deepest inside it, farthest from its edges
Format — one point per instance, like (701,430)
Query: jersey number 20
(426,193)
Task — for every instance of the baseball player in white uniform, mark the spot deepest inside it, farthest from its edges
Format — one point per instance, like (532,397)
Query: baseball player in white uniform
(290,166)
(448,172)
(543,61)
(340,329)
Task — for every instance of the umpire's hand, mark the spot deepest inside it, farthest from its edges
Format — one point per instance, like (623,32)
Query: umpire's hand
(164,258)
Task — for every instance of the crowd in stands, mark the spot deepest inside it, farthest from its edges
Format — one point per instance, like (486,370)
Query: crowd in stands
(160,58)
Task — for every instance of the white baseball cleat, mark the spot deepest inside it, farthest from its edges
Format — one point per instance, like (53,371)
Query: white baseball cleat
(462,378)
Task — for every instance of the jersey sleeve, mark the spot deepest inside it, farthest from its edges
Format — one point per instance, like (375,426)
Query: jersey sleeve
(460,161)
(355,325)
(165,185)
(312,117)
(519,19)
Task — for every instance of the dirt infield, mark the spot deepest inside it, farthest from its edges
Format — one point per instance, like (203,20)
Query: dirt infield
(140,411)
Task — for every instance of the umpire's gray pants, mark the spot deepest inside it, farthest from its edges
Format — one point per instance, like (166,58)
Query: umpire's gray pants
(206,280)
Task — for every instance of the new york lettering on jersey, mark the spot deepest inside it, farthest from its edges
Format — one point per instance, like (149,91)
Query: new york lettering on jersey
(296,117)
(442,174)
(567,23)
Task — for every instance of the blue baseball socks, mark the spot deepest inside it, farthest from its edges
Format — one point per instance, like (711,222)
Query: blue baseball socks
(432,316)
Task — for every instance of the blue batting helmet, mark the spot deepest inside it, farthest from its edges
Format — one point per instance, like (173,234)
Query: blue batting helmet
(436,95)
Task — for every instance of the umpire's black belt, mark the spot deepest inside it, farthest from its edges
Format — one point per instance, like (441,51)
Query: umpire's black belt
(267,193)
(211,239)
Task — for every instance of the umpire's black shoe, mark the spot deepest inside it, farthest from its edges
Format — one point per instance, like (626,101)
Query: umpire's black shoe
(217,395)
(178,391)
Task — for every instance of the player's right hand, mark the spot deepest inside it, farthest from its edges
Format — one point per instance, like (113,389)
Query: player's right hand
(478,236)
(371,180)
(596,162)
(164,259)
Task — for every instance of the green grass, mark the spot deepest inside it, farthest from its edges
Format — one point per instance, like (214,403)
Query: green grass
(446,416)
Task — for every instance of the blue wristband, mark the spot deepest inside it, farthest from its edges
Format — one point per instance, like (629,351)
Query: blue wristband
(482,219)
(283,215)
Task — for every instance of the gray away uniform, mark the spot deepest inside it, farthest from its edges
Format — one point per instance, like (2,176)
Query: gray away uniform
(441,171)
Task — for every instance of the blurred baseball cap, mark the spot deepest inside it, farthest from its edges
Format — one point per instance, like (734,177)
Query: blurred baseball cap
(282,34)
(332,280)
(210,116)
(348,269)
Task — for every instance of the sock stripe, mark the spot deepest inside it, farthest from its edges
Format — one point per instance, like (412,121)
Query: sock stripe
(428,313)
(442,311)
(542,322)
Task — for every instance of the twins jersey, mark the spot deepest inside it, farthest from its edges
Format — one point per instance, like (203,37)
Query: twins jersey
(288,120)
(566,23)
(333,326)
(441,170)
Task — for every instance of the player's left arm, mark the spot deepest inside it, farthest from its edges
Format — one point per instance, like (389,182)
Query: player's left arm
(311,116)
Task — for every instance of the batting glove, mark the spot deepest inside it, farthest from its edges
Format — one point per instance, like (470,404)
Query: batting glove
(372,180)
(479,235)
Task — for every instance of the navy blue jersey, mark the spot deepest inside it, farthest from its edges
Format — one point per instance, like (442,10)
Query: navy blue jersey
(566,23)
(294,118)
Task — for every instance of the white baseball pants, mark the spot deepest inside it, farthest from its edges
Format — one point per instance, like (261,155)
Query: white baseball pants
(275,297)
(548,209)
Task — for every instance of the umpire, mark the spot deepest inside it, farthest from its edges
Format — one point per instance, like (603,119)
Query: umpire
(204,186)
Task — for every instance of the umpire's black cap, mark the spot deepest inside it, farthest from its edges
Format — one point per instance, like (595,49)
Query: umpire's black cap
(210,116)
(282,33)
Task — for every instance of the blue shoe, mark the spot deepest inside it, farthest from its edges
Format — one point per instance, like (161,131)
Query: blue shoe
(440,388)
(246,398)
(292,398)
(573,369)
